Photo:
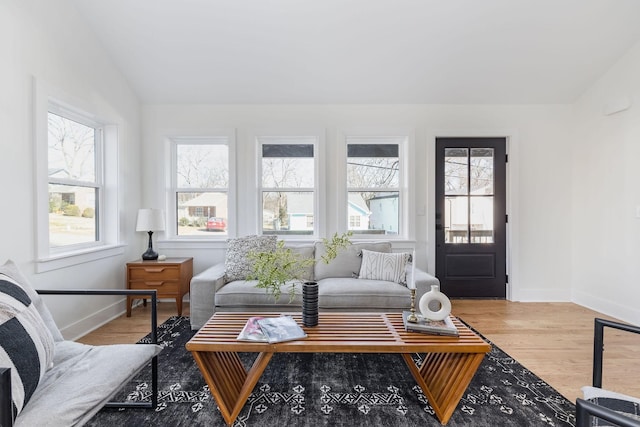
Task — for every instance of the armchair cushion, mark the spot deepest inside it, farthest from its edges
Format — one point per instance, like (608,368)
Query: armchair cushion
(625,407)
(82,380)
(26,344)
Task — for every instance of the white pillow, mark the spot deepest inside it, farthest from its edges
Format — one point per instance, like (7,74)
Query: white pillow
(384,266)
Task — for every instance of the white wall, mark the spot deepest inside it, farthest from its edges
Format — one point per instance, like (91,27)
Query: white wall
(606,194)
(539,172)
(47,41)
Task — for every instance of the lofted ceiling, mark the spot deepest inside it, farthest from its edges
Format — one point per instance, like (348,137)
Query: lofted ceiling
(363,51)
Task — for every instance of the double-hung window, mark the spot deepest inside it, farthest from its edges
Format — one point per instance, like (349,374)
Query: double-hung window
(200,186)
(288,185)
(374,184)
(75,181)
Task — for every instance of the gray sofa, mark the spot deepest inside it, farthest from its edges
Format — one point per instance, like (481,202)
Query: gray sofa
(339,288)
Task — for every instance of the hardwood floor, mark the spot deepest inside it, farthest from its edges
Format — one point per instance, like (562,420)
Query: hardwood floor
(553,340)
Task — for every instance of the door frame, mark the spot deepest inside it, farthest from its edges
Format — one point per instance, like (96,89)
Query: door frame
(511,200)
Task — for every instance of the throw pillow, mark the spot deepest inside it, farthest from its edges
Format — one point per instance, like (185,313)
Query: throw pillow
(624,407)
(237,263)
(384,266)
(26,344)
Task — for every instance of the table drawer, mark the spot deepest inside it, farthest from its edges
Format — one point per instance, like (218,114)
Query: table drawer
(163,286)
(154,272)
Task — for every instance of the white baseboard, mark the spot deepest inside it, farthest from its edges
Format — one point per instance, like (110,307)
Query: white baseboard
(625,313)
(93,321)
(540,295)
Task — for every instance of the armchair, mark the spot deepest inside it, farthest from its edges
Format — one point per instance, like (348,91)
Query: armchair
(82,378)
(598,403)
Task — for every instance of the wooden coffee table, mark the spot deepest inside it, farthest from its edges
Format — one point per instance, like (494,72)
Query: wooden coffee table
(449,365)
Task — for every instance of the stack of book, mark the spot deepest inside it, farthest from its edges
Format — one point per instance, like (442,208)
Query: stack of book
(426,326)
(271,330)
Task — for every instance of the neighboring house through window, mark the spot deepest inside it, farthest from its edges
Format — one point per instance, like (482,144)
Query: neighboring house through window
(374,184)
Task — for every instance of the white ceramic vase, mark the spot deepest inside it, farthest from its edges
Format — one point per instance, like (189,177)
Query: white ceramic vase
(431,301)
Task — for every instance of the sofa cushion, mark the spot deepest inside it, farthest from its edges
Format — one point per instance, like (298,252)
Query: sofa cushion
(347,262)
(243,293)
(82,380)
(350,293)
(238,263)
(391,267)
(26,344)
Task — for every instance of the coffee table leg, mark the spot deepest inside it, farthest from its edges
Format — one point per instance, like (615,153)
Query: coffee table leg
(229,382)
(444,377)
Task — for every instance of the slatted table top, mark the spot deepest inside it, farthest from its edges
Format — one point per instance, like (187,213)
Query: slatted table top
(337,333)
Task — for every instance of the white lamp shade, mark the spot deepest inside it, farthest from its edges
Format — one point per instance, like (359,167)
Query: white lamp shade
(150,220)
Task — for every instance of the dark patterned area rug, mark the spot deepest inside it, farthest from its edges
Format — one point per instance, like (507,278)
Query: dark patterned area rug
(333,390)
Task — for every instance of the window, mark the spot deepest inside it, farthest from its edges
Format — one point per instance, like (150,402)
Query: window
(200,186)
(288,185)
(374,183)
(75,182)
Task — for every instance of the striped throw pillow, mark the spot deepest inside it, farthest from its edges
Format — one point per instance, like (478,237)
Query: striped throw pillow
(26,344)
(384,266)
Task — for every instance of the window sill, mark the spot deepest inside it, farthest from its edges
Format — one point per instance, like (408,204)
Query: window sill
(70,259)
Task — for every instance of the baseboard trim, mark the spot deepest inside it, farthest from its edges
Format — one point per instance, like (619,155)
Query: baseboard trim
(540,295)
(605,306)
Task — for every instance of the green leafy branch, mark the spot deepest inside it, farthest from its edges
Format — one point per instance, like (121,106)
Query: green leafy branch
(334,245)
(274,269)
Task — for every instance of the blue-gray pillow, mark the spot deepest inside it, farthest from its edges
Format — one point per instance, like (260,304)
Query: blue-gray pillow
(26,344)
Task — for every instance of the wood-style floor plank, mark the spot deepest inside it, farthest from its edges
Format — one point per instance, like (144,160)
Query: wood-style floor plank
(553,340)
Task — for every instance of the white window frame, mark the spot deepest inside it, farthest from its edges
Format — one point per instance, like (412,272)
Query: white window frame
(218,137)
(406,216)
(48,99)
(314,138)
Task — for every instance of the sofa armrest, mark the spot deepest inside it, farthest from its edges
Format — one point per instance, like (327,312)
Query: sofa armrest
(203,293)
(424,281)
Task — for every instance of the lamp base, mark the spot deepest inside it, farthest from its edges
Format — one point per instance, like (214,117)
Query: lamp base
(150,254)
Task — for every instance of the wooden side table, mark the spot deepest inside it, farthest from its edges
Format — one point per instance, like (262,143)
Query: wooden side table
(170,278)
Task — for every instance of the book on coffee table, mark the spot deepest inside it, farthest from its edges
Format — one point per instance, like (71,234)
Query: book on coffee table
(279,329)
(426,326)
(252,331)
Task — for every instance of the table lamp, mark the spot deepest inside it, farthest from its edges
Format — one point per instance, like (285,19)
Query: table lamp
(150,220)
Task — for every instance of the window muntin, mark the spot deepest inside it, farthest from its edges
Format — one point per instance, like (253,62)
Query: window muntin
(287,185)
(374,180)
(75,184)
(469,194)
(201,177)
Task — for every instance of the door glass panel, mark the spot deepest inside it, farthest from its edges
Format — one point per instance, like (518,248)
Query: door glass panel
(481,171)
(456,224)
(456,170)
(481,213)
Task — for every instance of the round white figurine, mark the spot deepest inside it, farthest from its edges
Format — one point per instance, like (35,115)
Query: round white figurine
(439,300)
